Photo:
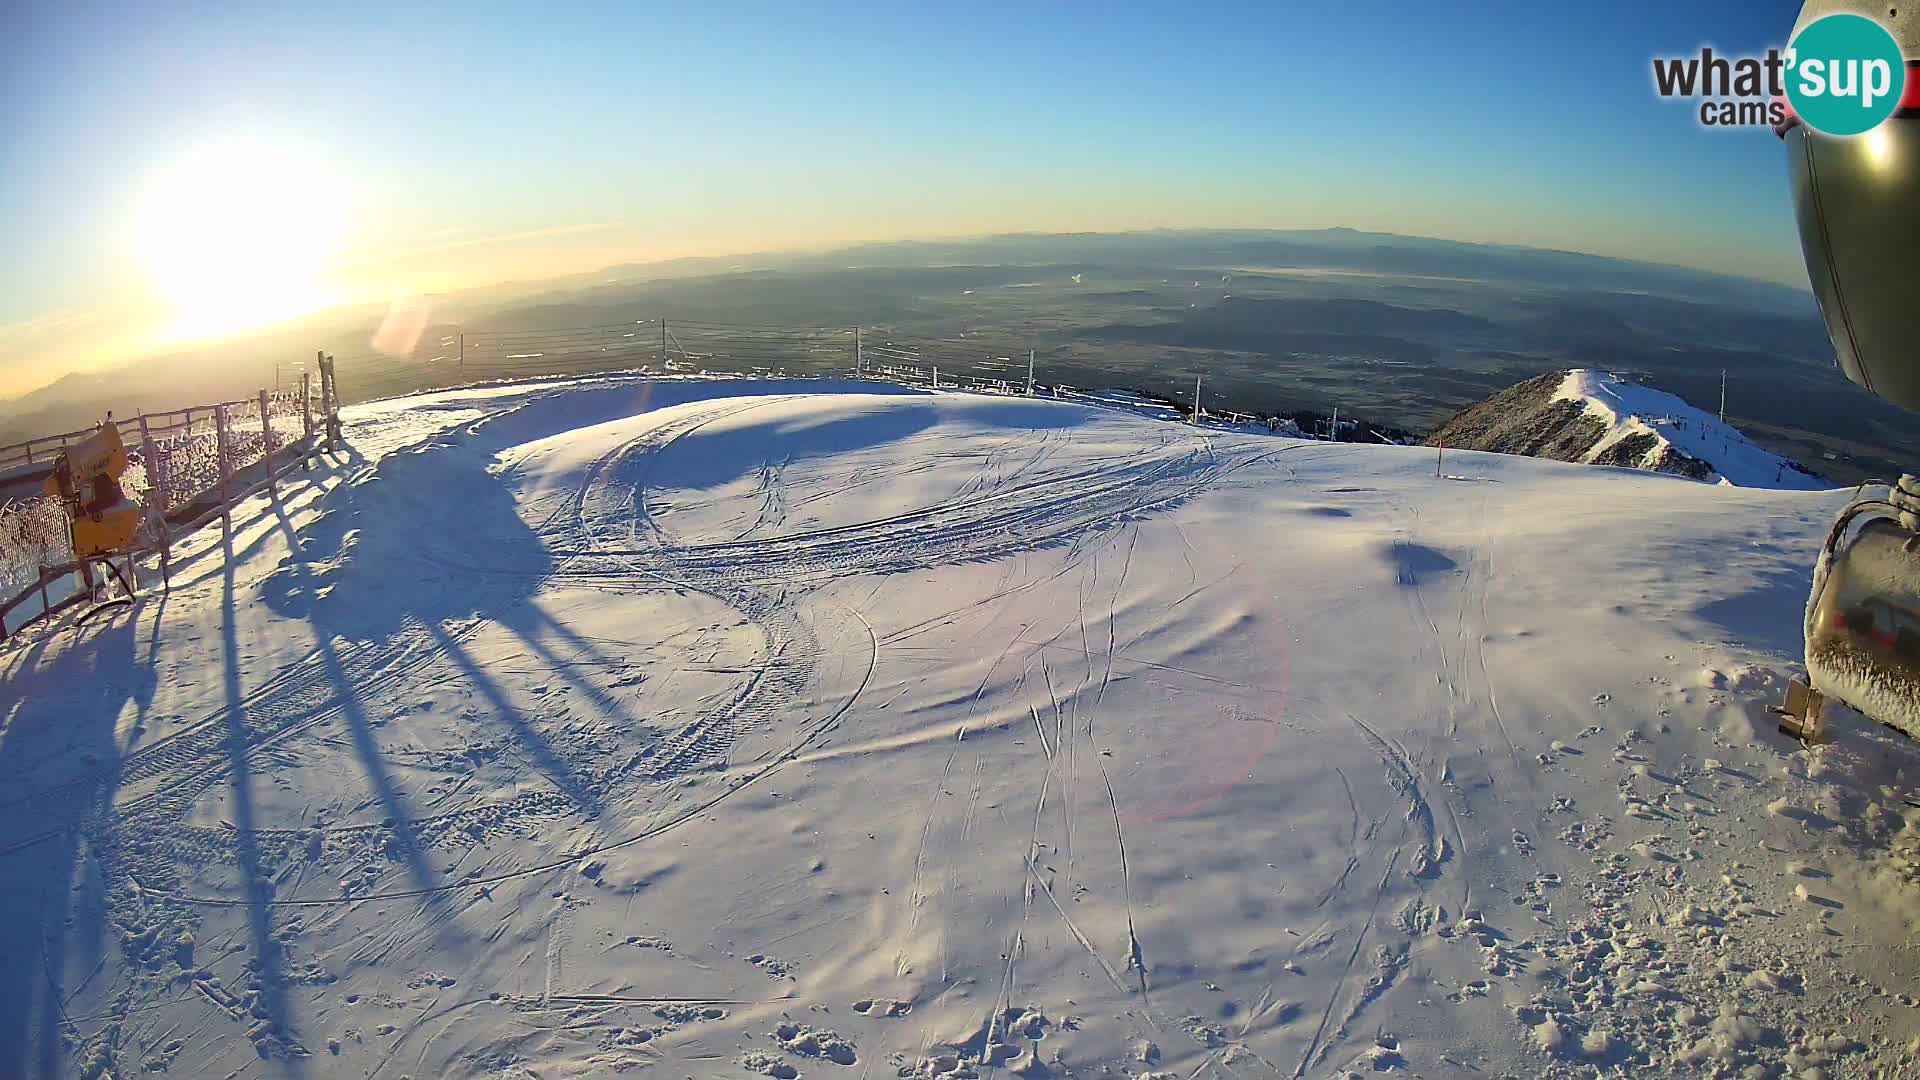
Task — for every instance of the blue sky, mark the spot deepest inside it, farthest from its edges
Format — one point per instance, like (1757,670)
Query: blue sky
(476,143)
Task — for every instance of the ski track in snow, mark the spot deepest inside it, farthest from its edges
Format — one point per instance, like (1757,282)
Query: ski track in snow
(598,725)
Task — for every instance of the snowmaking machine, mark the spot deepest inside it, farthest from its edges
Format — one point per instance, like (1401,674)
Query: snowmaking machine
(105,522)
(1857,200)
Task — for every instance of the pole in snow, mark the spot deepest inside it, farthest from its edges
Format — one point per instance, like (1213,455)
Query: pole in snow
(859,354)
(1196,399)
(1029,372)
(1723,395)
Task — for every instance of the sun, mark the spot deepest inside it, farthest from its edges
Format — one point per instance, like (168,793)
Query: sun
(238,234)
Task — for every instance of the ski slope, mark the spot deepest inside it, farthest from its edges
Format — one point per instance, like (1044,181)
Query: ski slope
(737,728)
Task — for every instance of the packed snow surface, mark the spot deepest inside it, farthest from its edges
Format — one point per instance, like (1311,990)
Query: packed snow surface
(1628,409)
(801,729)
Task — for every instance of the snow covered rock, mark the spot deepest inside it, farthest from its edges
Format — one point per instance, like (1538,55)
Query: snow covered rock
(1597,418)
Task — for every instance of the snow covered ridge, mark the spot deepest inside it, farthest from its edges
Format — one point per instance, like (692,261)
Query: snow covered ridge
(1597,418)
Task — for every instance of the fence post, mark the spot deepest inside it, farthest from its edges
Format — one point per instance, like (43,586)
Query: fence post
(330,401)
(333,382)
(663,342)
(320,364)
(151,457)
(936,376)
(156,475)
(220,451)
(266,435)
(157,492)
(859,356)
(1029,372)
(463,356)
(156,521)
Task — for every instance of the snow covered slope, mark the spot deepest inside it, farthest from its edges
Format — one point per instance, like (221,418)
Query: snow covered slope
(805,729)
(1597,418)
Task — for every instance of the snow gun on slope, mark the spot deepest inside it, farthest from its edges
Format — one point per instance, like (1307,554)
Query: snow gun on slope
(104,521)
(1858,204)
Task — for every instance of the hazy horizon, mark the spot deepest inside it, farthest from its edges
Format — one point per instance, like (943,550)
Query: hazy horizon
(30,377)
(175,175)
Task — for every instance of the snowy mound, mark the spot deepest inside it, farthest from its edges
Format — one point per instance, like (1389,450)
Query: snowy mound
(1596,418)
(808,729)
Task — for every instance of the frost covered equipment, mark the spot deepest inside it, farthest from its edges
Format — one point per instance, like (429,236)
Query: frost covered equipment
(1858,211)
(86,480)
(1863,616)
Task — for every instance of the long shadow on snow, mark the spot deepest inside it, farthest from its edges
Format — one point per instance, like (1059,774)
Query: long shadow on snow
(267,952)
(55,907)
(389,565)
(550,763)
(530,621)
(399,811)
(428,541)
(383,565)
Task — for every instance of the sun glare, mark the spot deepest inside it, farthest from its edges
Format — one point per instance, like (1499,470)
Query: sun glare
(1879,147)
(237,235)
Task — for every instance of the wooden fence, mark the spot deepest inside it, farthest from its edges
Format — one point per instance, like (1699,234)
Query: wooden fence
(189,466)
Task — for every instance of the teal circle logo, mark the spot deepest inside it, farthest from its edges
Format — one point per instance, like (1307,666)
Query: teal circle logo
(1845,74)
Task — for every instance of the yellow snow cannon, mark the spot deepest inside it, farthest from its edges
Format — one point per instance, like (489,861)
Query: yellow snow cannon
(105,522)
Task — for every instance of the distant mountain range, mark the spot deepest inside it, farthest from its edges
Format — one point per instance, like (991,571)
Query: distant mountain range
(176,378)
(1399,331)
